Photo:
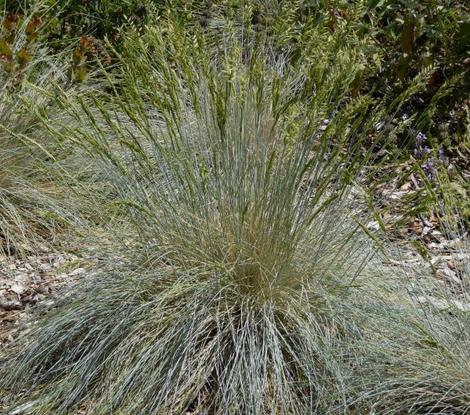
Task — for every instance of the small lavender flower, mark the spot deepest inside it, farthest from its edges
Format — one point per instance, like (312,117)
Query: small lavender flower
(420,138)
(429,169)
(405,116)
(442,156)
(421,152)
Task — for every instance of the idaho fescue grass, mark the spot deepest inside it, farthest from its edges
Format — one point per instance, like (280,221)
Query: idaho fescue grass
(28,203)
(249,286)
(251,255)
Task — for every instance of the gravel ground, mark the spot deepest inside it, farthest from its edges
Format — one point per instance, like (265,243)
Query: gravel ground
(37,279)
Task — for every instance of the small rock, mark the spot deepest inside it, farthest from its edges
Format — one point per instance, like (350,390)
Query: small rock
(406,187)
(373,225)
(18,289)
(449,275)
(10,305)
(48,303)
(442,304)
(426,230)
(45,268)
(428,223)
(448,272)
(397,195)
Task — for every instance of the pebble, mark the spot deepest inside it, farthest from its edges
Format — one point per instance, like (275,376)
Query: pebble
(449,275)
(45,268)
(17,289)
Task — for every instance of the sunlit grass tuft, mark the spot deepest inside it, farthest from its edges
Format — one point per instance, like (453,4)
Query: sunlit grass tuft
(27,210)
(245,278)
(416,348)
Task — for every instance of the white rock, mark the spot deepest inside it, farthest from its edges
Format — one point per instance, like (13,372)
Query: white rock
(45,268)
(426,230)
(442,304)
(427,223)
(448,274)
(397,195)
(373,225)
(437,234)
(18,289)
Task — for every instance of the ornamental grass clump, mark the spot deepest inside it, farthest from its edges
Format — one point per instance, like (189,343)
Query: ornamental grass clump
(27,209)
(415,356)
(246,265)
(416,359)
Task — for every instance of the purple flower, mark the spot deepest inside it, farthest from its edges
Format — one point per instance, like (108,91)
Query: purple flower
(420,138)
(442,155)
(429,169)
(405,116)
(420,152)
